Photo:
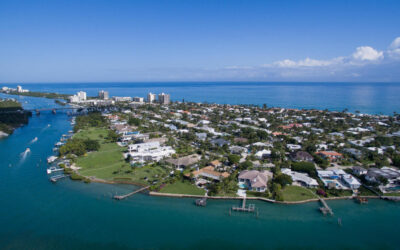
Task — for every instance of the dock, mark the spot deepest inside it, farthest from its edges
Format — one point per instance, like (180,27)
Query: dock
(325,209)
(201,202)
(55,178)
(121,197)
(250,208)
(52,170)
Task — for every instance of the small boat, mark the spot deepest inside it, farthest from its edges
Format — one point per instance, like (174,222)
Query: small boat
(53,169)
(51,159)
(27,150)
(362,200)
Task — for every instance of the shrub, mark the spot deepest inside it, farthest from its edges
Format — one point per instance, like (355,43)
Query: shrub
(306,167)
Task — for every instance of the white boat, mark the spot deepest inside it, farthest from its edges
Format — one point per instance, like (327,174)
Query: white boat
(51,159)
(53,169)
(27,150)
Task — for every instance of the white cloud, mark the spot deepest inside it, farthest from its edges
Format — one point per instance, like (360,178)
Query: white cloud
(394,49)
(395,44)
(308,62)
(367,53)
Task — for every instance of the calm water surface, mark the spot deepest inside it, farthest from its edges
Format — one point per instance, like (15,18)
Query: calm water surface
(36,214)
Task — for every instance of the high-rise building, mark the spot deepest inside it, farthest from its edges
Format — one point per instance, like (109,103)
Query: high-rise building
(104,95)
(138,99)
(82,96)
(151,97)
(164,98)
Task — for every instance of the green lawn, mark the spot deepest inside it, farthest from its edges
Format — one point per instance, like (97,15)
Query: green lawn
(391,194)
(108,164)
(296,193)
(182,188)
(93,134)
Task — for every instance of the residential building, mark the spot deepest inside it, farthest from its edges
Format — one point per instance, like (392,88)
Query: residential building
(151,97)
(337,178)
(150,151)
(301,156)
(185,161)
(359,170)
(164,98)
(254,180)
(103,95)
(301,178)
(81,95)
(209,173)
(331,155)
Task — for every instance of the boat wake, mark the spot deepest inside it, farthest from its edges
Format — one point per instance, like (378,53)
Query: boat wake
(25,153)
(34,140)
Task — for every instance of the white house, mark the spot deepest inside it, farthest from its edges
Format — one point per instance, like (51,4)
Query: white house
(149,151)
(300,178)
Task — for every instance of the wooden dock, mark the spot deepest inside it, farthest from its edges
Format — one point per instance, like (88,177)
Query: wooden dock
(121,197)
(325,209)
(55,178)
(250,208)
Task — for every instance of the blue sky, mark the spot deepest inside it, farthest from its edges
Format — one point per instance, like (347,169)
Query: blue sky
(89,41)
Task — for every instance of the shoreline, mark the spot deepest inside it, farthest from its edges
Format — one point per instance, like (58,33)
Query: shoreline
(255,198)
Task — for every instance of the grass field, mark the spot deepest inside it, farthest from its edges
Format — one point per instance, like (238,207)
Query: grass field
(182,188)
(92,133)
(296,193)
(108,163)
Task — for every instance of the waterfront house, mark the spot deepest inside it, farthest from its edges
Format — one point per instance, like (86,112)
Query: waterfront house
(149,151)
(254,180)
(337,178)
(208,173)
(301,178)
(390,174)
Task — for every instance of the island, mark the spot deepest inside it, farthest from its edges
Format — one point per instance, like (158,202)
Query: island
(12,116)
(186,149)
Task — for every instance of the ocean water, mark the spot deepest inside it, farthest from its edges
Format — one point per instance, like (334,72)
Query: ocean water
(372,98)
(37,214)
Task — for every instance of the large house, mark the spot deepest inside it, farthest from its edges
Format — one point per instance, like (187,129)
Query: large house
(185,161)
(331,155)
(254,180)
(337,178)
(148,151)
(209,173)
(301,178)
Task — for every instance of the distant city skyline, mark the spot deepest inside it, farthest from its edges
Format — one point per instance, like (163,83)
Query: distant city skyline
(148,41)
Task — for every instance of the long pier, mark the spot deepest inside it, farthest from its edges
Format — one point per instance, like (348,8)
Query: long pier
(121,197)
(325,209)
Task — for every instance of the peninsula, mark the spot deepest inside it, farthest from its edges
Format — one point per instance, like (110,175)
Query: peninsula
(232,151)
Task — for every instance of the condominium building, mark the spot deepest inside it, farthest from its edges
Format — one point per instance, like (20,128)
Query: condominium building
(104,95)
(151,97)
(164,98)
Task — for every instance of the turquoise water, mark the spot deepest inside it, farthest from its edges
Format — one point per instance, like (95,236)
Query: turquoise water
(36,214)
(373,98)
